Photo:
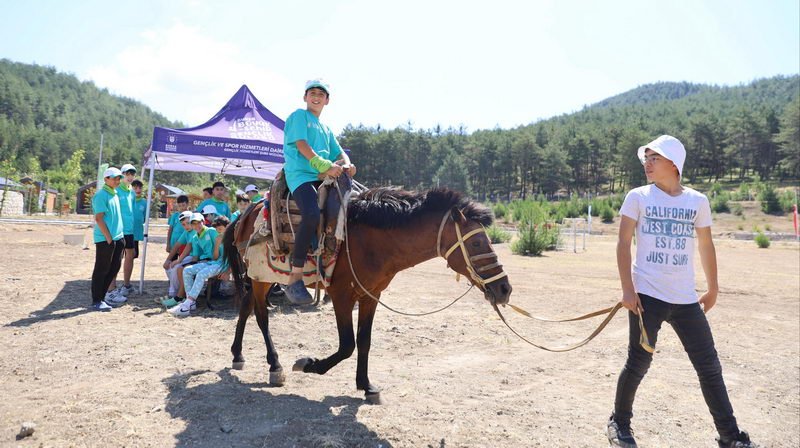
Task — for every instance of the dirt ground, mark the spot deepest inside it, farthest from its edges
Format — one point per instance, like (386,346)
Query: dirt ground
(138,377)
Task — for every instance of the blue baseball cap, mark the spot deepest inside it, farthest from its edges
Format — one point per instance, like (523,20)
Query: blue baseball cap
(319,84)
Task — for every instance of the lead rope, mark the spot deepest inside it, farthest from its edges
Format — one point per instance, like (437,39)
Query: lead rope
(644,340)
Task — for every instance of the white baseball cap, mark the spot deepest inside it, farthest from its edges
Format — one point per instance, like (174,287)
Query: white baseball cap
(185,215)
(319,83)
(208,209)
(669,147)
(112,172)
(197,217)
(250,188)
(128,167)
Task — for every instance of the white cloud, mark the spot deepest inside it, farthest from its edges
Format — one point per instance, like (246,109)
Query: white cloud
(187,75)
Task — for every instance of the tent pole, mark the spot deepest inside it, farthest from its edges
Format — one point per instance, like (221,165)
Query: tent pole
(146,224)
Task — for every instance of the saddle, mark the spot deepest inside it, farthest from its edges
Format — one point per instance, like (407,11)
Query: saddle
(285,217)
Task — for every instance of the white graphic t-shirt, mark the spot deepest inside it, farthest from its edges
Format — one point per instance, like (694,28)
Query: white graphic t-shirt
(665,235)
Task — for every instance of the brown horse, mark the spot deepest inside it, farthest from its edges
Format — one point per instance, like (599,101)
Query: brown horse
(388,230)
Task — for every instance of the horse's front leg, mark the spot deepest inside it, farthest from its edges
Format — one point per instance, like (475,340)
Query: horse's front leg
(260,289)
(366,315)
(347,344)
(245,308)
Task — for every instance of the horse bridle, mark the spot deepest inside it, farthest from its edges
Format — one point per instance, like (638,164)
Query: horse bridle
(469,259)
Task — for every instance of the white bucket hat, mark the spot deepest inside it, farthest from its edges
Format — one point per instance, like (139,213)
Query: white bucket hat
(197,217)
(669,147)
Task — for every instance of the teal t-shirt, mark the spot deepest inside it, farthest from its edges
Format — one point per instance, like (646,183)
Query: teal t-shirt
(303,125)
(223,264)
(186,237)
(139,212)
(235,215)
(126,206)
(177,229)
(106,201)
(221,206)
(203,244)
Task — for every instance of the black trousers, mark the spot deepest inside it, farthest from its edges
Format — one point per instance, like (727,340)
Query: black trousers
(107,260)
(691,326)
(306,198)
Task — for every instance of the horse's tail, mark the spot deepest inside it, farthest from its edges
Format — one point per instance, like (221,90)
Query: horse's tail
(234,259)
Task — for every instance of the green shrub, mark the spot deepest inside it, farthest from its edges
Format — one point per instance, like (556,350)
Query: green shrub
(737,210)
(786,201)
(743,193)
(497,235)
(740,227)
(767,227)
(715,190)
(719,204)
(769,200)
(500,210)
(535,238)
(762,240)
(607,215)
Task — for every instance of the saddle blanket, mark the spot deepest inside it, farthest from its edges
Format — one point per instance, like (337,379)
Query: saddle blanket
(263,266)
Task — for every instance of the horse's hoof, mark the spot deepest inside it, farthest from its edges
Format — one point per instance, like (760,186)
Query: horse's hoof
(237,365)
(277,378)
(373,398)
(301,364)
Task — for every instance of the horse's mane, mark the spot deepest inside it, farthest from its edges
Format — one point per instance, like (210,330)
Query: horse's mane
(388,207)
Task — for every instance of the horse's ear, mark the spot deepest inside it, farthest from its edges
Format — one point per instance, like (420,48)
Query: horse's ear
(457,216)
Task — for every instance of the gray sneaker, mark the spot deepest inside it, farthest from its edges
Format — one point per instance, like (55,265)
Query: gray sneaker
(298,294)
(620,435)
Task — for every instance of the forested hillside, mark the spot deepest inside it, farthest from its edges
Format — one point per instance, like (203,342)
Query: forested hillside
(729,132)
(50,123)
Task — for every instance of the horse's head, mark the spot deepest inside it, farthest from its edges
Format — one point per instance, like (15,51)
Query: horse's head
(468,251)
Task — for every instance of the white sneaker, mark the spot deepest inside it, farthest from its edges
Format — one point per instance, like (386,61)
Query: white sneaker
(125,290)
(114,299)
(183,309)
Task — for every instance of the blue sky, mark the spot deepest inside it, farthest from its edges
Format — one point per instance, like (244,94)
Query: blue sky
(451,63)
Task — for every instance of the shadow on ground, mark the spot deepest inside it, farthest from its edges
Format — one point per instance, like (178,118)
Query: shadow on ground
(75,297)
(220,410)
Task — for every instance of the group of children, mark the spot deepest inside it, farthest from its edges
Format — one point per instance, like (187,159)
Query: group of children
(194,245)
(193,240)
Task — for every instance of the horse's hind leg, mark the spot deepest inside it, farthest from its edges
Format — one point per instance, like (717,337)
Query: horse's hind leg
(276,376)
(347,343)
(245,308)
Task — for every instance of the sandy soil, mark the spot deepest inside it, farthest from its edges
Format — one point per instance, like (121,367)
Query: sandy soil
(139,377)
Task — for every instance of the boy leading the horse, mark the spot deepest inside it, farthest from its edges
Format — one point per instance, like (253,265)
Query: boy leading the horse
(667,219)
(309,149)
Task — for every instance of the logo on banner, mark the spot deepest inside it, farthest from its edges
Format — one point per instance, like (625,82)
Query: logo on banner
(171,146)
(250,128)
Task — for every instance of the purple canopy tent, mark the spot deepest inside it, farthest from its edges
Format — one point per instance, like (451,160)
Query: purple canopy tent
(243,139)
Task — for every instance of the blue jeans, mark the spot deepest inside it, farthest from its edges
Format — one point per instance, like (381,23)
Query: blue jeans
(306,198)
(691,326)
